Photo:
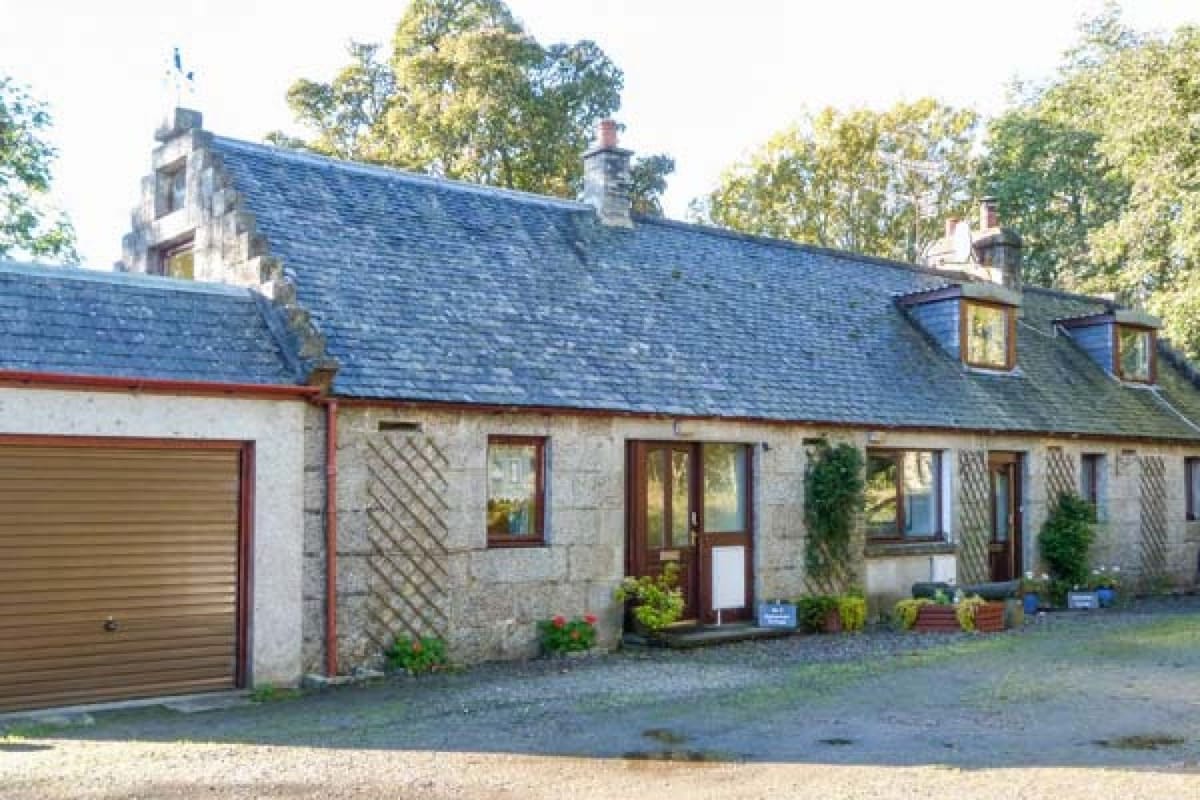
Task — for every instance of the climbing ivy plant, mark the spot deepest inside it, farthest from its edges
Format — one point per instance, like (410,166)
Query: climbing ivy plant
(833,496)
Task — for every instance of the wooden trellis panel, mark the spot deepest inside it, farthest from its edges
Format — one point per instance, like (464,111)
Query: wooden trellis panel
(1154,518)
(407,533)
(974,516)
(1061,475)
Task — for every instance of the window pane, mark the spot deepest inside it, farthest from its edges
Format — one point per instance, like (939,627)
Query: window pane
(987,336)
(1193,477)
(512,489)
(178,190)
(881,495)
(920,494)
(1000,495)
(1135,354)
(724,488)
(681,507)
(656,493)
(1087,478)
(181,264)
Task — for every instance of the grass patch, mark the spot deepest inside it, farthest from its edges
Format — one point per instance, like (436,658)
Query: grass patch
(267,693)
(32,730)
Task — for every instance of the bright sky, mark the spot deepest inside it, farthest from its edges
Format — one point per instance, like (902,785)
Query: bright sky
(704,81)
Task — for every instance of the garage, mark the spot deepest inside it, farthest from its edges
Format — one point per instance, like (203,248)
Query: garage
(123,568)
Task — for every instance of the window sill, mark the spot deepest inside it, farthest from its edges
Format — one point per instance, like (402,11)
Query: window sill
(509,544)
(900,548)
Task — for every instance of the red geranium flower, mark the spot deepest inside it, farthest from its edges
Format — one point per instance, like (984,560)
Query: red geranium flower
(559,621)
(590,619)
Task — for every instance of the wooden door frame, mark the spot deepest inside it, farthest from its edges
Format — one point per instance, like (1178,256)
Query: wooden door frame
(635,509)
(1016,460)
(244,586)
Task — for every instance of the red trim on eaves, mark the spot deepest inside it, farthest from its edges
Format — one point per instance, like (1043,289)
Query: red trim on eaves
(107,383)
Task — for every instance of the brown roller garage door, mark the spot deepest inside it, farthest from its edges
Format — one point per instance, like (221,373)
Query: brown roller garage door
(119,569)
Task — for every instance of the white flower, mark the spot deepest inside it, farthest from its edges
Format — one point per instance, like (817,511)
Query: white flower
(1029,575)
(1045,577)
(1095,572)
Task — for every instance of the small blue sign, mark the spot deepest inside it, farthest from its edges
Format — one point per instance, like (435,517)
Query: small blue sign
(777,615)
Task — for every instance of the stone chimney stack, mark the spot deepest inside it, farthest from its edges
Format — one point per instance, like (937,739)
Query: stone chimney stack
(606,178)
(990,253)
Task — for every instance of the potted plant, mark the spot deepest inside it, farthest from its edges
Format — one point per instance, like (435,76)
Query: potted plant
(1032,591)
(974,614)
(1106,582)
(852,610)
(654,602)
(819,613)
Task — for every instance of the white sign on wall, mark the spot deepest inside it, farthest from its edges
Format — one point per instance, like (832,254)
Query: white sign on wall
(728,577)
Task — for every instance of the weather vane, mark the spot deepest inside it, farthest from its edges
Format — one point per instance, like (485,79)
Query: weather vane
(183,82)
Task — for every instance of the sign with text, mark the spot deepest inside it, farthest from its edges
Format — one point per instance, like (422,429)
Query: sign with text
(1083,600)
(777,615)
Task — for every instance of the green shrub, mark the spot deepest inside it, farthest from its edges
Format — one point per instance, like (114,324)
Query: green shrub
(811,611)
(657,601)
(417,656)
(965,612)
(833,492)
(853,610)
(560,635)
(907,610)
(1066,538)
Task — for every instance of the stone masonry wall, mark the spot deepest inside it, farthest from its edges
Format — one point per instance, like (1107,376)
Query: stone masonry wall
(485,602)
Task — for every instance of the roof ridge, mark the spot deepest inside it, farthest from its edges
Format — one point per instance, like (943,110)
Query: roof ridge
(157,282)
(845,255)
(402,174)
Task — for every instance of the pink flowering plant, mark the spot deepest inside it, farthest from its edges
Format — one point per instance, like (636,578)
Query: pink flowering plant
(561,635)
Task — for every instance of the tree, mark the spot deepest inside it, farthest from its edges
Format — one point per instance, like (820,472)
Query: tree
(27,225)
(469,94)
(1100,171)
(878,183)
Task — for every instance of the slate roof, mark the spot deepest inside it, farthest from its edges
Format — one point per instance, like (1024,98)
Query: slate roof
(85,322)
(432,290)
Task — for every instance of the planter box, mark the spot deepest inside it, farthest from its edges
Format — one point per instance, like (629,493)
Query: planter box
(936,619)
(989,618)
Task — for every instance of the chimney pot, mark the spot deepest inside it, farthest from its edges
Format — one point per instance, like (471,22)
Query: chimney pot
(989,216)
(607,134)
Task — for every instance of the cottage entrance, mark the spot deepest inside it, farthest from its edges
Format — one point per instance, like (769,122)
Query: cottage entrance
(1005,547)
(689,505)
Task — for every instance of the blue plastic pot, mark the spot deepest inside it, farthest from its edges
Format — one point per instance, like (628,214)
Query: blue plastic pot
(1106,596)
(1031,604)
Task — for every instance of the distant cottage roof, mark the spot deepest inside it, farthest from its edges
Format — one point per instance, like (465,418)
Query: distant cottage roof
(85,322)
(434,290)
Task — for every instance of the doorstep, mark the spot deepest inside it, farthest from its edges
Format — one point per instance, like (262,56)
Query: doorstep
(704,636)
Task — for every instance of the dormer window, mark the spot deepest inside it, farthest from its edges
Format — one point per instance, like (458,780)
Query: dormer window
(178,261)
(1134,354)
(975,323)
(1121,341)
(988,335)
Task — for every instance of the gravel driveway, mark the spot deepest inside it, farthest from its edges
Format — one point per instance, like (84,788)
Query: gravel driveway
(1098,705)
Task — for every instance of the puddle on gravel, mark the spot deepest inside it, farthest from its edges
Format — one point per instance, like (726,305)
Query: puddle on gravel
(1141,742)
(665,736)
(686,756)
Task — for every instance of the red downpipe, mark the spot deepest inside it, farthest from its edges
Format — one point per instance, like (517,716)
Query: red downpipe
(331,537)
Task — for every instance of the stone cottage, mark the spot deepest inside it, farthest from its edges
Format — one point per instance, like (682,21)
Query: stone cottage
(524,398)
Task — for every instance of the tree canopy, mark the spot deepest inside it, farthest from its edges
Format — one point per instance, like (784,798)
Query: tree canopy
(872,182)
(467,93)
(27,225)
